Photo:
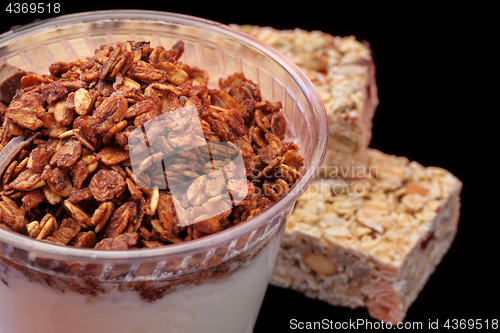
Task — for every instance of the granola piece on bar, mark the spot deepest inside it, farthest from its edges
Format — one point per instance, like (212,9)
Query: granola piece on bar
(371,242)
(342,71)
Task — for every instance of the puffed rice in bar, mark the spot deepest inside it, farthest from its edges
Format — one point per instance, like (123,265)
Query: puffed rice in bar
(371,242)
(342,70)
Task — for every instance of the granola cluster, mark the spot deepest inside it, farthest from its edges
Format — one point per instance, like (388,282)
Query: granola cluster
(73,170)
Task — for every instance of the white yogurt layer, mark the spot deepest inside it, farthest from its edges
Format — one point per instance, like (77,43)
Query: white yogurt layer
(229,304)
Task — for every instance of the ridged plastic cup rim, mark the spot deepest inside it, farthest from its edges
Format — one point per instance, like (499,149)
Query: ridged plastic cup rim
(207,242)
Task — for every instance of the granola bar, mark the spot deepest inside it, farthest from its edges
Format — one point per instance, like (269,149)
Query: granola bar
(342,70)
(371,242)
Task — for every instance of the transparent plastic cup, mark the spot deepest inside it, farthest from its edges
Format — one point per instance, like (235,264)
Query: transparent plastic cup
(212,284)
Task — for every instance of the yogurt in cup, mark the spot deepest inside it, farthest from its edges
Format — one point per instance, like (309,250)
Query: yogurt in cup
(212,284)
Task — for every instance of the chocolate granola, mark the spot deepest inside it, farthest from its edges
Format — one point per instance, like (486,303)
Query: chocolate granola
(131,149)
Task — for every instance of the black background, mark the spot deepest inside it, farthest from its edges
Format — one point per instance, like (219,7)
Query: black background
(436,70)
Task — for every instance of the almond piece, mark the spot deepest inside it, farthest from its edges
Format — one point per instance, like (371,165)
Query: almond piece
(320,264)
(83,101)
